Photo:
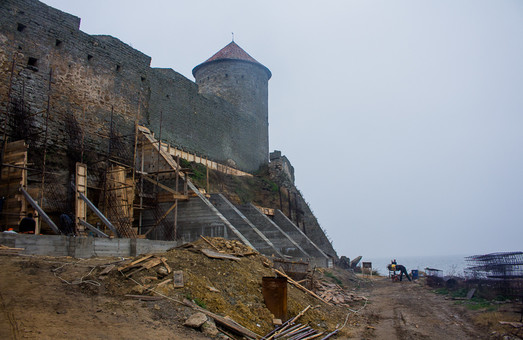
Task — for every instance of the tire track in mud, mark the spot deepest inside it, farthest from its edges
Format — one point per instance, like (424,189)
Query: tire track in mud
(11,331)
(408,311)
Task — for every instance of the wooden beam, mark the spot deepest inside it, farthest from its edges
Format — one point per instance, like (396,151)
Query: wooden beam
(161,218)
(164,187)
(297,285)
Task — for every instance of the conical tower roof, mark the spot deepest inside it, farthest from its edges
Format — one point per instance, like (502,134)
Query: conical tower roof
(232,52)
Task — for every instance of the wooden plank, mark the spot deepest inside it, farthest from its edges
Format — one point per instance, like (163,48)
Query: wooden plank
(164,282)
(214,255)
(152,263)
(16,145)
(297,285)
(169,197)
(144,297)
(162,218)
(512,323)
(80,187)
(164,187)
(135,262)
(164,261)
(229,323)
(209,242)
(9,248)
(178,279)
(107,269)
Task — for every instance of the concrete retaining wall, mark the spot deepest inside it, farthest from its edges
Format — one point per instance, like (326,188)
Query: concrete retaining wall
(83,247)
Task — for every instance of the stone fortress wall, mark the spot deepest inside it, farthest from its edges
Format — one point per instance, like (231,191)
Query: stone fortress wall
(93,75)
(96,80)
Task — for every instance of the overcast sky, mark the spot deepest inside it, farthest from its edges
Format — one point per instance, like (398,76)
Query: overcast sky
(403,119)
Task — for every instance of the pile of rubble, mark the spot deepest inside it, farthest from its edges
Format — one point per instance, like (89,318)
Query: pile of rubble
(221,245)
(335,294)
(225,277)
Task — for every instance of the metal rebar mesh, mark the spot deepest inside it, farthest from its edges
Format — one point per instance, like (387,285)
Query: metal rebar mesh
(503,270)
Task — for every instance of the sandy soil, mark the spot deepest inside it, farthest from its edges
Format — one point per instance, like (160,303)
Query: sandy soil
(36,304)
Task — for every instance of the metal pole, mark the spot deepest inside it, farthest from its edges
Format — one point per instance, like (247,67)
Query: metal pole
(41,212)
(107,161)
(4,141)
(42,185)
(176,201)
(93,229)
(135,152)
(83,133)
(159,148)
(99,214)
(140,222)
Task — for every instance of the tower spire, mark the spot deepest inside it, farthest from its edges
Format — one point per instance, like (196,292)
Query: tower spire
(232,36)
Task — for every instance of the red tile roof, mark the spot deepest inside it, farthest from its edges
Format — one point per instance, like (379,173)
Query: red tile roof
(232,51)
(235,52)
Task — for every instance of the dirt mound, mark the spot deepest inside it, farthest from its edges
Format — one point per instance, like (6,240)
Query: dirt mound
(229,287)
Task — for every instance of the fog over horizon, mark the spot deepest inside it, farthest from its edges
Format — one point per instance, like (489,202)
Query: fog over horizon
(403,119)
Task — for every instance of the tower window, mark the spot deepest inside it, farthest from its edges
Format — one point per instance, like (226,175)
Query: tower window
(143,79)
(226,75)
(32,62)
(58,42)
(89,57)
(118,67)
(20,27)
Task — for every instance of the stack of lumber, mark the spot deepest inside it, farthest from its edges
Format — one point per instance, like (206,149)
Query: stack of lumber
(146,262)
(156,273)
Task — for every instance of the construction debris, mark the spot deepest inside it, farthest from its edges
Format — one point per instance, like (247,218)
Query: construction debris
(211,276)
(297,285)
(512,323)
(178,279)
(335,294)
(144,297)
(221,245)
(291,330)
(215,255)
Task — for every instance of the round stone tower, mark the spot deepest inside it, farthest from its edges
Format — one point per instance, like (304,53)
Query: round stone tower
(238,78)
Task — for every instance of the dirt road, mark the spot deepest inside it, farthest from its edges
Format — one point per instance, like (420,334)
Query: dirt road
(408,310)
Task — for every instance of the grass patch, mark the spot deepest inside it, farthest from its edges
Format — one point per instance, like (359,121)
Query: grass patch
(336,279)
(441,291)
(197,301)
(200,303)
(270,185)
(459,293)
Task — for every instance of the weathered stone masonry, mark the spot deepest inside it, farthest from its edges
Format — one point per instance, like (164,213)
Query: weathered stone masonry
(97,79)
(93,75)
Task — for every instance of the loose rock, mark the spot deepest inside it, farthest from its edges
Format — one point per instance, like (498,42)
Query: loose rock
(196,320)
